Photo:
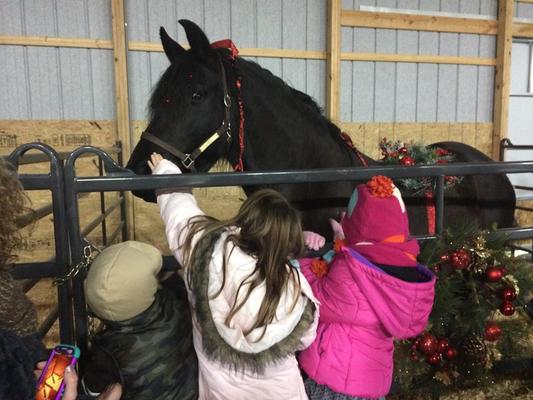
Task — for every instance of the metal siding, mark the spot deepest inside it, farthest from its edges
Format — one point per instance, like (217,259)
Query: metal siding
(363,91)
(524,10)
(10,17)
(408,4)
(294,30)
(269,33)
(243,23)
(385,78)
(79,84)
(347,91)
(488,7)
(427,88)
(447,86)
(429,5)
(43,67)
(103,84)
(485,94)
(406,77)
(75,64)
(364,77)
(14,96)
(467,80)
(316,40)
(217,19)
(99,16)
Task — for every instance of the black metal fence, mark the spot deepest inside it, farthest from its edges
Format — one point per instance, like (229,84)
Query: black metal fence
(59,265)
(68,189)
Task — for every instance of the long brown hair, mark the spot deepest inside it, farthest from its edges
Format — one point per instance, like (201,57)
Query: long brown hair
(13,200)
(270,231)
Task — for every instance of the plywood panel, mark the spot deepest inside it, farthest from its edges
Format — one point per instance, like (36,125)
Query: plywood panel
(62,135)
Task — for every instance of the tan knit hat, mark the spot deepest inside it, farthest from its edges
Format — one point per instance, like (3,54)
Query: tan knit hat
(122,280)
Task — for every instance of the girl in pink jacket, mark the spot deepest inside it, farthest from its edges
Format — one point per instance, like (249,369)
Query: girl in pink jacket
(252,310)
(372,291)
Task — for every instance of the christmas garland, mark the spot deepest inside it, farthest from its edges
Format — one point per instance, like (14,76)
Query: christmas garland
(478,285)
(408,154)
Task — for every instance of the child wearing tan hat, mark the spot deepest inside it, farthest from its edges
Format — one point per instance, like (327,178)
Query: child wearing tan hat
(146,343)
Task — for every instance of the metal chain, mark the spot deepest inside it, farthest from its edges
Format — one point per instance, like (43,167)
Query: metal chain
(82,266)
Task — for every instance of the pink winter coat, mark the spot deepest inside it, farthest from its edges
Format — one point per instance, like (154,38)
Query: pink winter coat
(261,368)
(362,310)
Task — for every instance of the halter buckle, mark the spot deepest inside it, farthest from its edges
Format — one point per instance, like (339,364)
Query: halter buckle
(187,162)
(227,101)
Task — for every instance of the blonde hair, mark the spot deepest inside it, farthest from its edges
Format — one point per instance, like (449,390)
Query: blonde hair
(13,198)
(270,231)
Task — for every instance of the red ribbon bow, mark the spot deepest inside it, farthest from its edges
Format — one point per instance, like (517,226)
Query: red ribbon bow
(226,44)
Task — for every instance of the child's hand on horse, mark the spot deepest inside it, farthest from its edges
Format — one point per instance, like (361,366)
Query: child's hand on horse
(313,241)
(155,159)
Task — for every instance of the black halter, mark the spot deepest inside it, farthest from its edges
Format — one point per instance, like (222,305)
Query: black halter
(188,159)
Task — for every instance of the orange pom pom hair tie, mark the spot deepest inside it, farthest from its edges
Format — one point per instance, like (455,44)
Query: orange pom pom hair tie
(380,186)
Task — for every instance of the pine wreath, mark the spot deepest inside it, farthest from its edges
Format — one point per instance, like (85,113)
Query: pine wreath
(398,152)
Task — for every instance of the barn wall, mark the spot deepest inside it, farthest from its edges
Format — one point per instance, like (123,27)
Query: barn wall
(425,102)
(410,92)
(56,83)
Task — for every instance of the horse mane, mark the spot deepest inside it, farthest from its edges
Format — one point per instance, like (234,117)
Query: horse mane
(302,101)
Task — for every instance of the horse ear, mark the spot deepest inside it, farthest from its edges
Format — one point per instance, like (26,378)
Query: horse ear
(196,37)
(171,47)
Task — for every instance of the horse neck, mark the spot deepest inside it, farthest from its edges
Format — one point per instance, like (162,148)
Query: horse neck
(284,129)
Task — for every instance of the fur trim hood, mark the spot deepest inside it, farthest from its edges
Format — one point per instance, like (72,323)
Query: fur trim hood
(244,352)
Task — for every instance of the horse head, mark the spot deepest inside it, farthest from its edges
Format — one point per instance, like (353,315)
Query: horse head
(191,111)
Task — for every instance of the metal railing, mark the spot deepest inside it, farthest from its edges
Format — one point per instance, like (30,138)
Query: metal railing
(507,145)
(120,179)
(31,273)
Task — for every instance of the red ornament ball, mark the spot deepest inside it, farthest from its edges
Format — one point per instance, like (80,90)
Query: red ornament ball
(507,308)
(428,344)
(508,294)
(460,259)
(443,345)
(434,359)
(451,353)
(494,274)
(445,258)
(407,160)
(403,150)
(492,331)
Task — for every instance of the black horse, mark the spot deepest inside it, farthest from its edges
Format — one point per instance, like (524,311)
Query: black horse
(197,100)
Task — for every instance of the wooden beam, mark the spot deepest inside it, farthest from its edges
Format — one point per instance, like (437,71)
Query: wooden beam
(245,51)
(524,30)
(418,22)
(414,58)
(55,42)
(121,97)
(333,59)
(502,78)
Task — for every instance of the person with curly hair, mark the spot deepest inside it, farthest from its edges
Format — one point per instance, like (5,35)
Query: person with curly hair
(17,313)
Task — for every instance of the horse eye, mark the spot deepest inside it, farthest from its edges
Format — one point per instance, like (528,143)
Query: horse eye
(196,96)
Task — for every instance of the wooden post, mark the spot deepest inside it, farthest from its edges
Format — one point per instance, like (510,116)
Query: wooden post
(121,97)
(504,44)
(333,59)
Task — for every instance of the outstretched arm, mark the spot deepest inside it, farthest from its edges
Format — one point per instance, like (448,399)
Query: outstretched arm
(176,207)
